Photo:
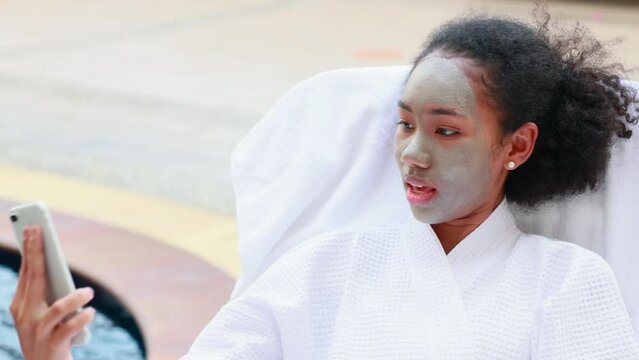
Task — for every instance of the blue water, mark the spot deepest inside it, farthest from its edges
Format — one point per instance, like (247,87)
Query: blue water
(108,341)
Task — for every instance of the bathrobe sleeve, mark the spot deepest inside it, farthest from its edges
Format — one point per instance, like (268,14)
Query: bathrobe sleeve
(585,318)
(242,329)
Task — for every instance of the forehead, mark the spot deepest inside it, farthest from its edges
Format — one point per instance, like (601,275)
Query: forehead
(437,73)
(440,80)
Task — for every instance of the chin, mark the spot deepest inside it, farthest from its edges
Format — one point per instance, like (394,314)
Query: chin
(428,215)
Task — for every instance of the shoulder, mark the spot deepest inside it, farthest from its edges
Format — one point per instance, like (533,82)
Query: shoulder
(581,313)
(321,262)
(561,253)
(335,247)
(565,267)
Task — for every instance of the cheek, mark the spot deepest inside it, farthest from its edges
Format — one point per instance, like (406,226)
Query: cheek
(466,165)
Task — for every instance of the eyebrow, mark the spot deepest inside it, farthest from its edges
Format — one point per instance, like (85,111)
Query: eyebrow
(435,111)
(404,106)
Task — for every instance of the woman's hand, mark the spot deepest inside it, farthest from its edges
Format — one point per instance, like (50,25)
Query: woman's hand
(45,332)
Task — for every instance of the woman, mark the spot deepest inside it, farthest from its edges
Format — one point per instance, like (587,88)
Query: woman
(492,110)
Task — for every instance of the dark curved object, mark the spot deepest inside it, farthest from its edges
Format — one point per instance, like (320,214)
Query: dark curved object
(104,301)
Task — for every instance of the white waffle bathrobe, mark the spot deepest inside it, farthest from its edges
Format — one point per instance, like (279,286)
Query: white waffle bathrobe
(332,270)
(393,293)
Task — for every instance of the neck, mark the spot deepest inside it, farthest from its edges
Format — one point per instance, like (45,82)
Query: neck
(451,233)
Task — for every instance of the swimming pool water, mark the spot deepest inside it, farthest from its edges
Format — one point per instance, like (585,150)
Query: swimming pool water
(108,341)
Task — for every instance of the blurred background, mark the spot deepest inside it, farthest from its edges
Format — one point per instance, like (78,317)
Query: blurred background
(150,96)
(125,113)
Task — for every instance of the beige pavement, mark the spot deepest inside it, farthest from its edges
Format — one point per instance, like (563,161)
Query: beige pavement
(199,232)
(143,100)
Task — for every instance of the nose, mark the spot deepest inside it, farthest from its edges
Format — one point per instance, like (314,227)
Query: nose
(416,154)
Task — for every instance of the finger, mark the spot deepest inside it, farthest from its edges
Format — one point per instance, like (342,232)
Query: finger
(25,235)
(36,280)
(24,262)
(63,333)
(23,258)
(22,276)
(65,307)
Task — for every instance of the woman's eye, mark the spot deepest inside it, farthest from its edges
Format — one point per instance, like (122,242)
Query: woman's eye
(406,125)
(446,132)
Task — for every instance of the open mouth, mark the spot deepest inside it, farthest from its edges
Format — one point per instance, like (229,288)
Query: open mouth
(419,192)
(420,189)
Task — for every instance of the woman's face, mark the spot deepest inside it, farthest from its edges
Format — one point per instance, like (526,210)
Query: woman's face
(448,141)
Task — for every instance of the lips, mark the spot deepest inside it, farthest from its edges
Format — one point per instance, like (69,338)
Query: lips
(418,191)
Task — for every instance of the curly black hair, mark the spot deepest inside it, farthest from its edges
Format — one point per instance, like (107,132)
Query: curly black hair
(561,81)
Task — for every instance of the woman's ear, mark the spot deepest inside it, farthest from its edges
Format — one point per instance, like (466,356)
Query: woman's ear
(522,144)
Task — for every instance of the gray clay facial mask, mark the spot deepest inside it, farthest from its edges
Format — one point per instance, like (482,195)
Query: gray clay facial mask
(448,146)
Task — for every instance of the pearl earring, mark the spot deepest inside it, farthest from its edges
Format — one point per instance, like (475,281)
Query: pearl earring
(511,165)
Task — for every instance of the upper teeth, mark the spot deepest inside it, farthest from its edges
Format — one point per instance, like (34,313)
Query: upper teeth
(417,186)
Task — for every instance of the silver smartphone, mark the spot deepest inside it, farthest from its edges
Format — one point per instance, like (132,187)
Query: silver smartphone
(59,278)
